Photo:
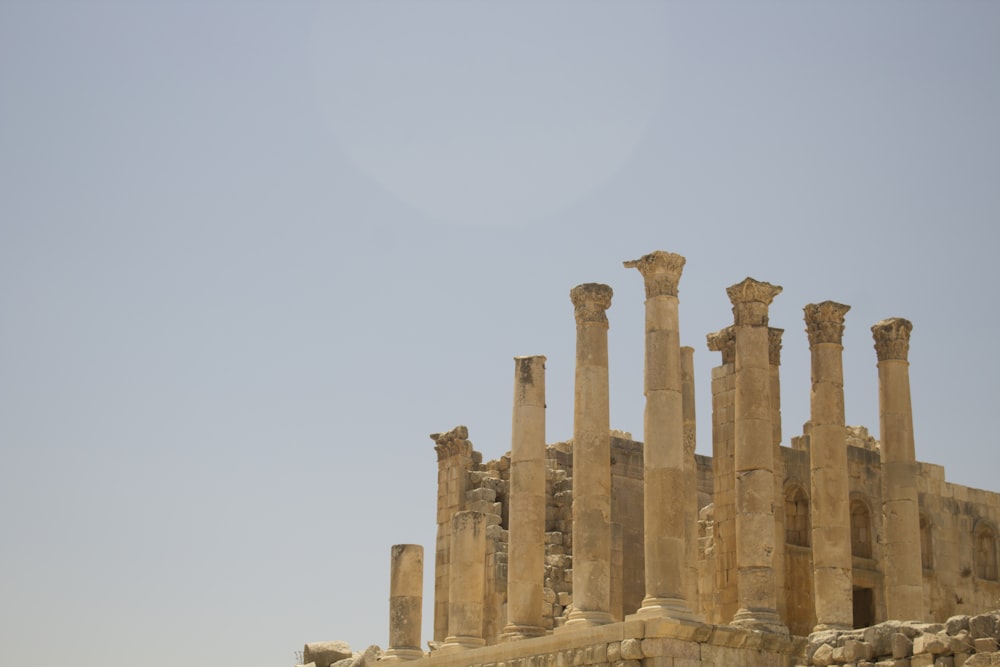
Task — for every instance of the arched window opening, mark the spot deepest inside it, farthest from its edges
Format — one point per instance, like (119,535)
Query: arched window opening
(985,554)
(926,545)
(861,529)
(797,524)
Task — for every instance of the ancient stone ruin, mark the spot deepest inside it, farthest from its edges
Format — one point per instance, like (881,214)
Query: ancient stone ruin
(840,549)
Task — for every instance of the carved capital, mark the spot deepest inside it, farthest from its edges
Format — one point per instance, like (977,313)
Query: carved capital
(774,346)
(750,300)
(825,322)
(661,272)
(454,442)
(590,300)
(892,338)
(723,341)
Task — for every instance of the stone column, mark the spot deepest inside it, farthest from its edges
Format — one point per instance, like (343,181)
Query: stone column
(754,459)
(406,598)
(903,569)
(663,448)
(526,544)
(774,363)
(724,476)
(468,580)
(454,457)
(691,505)
(591,460)
(830,501)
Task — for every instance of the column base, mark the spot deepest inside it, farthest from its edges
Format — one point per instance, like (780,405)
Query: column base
(765,620)
(514,632)
(586,619)
(675,608)
(401,654)
(835,627)
(460,643)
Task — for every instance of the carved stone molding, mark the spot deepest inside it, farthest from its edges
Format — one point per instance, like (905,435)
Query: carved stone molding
(590,301)
(825,322)
(723,341)
(892,338)
(750,300)
(452,443)
(661,272)
(774,346)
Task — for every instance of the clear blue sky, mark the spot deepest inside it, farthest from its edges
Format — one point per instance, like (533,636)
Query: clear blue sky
(253,253)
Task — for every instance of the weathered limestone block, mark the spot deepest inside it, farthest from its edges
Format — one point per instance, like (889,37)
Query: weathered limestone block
(902,646)
(325,654)
(985,644)
(983,625)
(956,624)
(880,637)
(922,660)
(855,650)
(930,643)
(631,649)
(823,656)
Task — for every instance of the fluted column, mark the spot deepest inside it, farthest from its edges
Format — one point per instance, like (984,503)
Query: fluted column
(406,597)
(724,475)
(526,546)
(691,507)
(755,538)
(830,498)
(663,449)
(903,569)
(591,459)
(468,578)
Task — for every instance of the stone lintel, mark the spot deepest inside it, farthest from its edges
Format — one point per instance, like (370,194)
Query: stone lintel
(590,301)
(825,322)
(661,272)
(750,299)
(892,338)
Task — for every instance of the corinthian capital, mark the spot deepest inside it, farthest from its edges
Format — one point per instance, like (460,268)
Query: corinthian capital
(892,338)
(723,341)
(590,300)
(825,322)
(660,270)
(774,346)
(750,300)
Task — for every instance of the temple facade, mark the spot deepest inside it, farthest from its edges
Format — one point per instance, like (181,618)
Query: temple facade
(608,549)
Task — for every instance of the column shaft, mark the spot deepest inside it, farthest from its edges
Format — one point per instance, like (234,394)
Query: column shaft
(468,579)
(526,550)
(406,597)
(591,460)
(903,568)
(830,498)
(664,484)
(691,505)
(726,600)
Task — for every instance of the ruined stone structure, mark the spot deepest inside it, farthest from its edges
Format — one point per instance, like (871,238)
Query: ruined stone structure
(607,550)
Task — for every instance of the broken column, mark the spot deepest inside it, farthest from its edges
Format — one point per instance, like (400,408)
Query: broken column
(591,459)
(691,506)
(406,596)
(526,545)
(663,450)
(830,502)
(903,568)
(723,476)
(467,581)
(754,459)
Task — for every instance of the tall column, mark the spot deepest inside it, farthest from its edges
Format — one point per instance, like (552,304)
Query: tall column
(724,475)
(903,569)
(755,539)
(468,580)
(663,449)
(591,460)
(526,545)
(830,502)
(454,457)
(774,364)
(691,505)
(406,598)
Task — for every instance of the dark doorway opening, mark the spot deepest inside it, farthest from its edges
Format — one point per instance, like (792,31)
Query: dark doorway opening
(864,607)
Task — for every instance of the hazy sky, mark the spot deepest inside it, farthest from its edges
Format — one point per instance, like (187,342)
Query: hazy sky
(253,253)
